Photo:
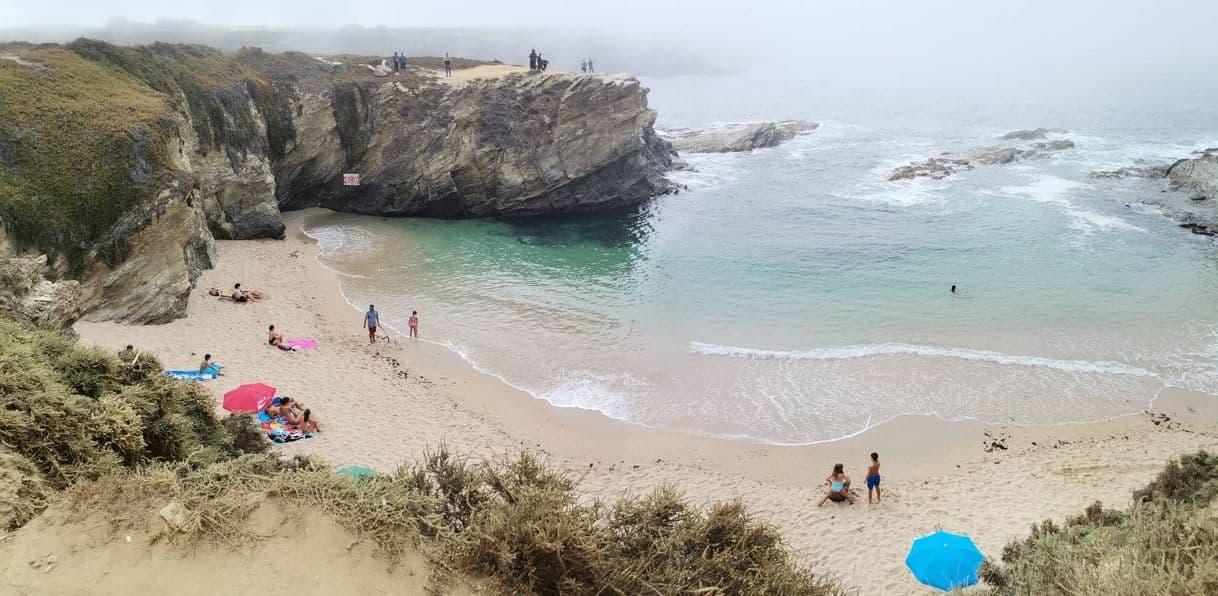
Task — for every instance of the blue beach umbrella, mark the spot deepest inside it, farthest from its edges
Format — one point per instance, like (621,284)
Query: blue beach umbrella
(944,560)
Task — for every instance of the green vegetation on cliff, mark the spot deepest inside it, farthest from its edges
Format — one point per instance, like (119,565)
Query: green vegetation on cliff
(74,413)
(1166,543)
(86,132)
(80,146)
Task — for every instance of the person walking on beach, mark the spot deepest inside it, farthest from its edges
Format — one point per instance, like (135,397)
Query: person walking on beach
(371,320)
(873,478)
(414,324)
(448,65)
(533,60)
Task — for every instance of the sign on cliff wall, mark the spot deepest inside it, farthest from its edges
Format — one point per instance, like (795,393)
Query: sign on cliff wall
(350,179)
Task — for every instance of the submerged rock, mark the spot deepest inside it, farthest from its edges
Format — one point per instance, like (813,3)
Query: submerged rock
(738,138)
(1032,134)
(949,163)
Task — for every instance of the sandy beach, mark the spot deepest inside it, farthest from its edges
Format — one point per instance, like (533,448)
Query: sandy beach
(387,403)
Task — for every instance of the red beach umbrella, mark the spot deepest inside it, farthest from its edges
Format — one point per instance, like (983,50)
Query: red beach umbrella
(250,398)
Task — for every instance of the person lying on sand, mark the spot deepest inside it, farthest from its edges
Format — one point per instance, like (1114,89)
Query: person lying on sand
(237,294)
(839,487)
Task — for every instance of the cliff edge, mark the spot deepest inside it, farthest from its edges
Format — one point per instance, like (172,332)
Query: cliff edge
(122,165)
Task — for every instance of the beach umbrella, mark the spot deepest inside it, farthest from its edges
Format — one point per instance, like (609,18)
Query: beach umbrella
(944,560)
(250,398)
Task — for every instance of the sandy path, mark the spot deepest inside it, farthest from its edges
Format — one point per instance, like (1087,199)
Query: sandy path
(382,405)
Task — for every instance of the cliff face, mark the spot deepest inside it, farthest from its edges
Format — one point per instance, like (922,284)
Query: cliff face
(155,151)
(521,145)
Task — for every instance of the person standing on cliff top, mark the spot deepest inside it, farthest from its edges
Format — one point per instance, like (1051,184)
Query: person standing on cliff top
(533,60)
(590,69)
(448,65)
(397,62)
(583,66)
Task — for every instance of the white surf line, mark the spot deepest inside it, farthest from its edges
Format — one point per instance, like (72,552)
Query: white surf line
(867,350)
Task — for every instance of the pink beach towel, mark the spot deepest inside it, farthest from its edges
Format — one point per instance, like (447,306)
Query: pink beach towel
(300,344)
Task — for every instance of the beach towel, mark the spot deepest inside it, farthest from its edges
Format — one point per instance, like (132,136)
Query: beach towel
(300,344)
(278,429)
(194,375)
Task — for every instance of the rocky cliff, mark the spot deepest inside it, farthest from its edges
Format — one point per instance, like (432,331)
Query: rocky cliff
(1194,180)
(119,166)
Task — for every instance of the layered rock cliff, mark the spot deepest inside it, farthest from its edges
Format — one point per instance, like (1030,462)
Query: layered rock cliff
(119,166)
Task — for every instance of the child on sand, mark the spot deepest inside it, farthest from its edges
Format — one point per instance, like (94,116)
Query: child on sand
(839,486)
(414,324)
(873,478)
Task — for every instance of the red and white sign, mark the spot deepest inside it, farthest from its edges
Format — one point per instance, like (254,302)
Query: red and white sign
(350,179)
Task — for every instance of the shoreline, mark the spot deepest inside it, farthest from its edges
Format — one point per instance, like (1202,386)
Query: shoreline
(385,404)
(303,218)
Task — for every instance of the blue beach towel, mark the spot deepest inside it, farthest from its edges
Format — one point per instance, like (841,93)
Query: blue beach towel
(194,375)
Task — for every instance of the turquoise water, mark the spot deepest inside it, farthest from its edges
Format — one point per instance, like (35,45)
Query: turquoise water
(793,295)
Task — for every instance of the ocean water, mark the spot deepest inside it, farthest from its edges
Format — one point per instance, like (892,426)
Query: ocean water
(793,295)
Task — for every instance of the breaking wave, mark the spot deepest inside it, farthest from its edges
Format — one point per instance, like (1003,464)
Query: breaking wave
(868,350)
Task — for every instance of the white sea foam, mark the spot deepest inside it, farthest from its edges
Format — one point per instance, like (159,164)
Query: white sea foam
(867,350)
(1052,190)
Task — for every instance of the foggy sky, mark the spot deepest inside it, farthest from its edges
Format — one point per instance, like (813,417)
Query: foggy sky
(1022,37)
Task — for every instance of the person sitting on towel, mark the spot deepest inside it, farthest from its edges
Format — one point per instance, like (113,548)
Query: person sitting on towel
(208,366)
(309,423)
(240,295)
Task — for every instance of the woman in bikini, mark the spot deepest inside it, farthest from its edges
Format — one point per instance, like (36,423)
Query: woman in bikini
(839,486)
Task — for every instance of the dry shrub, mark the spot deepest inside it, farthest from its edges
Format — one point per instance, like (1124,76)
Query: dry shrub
(116,424)
(513,520)
(1166,543)
(1193,479)
(1153,549)
(245,435)
(76,411)
(23,493)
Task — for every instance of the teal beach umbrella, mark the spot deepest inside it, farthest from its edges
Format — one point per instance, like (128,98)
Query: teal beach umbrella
(355,472)
(944,560)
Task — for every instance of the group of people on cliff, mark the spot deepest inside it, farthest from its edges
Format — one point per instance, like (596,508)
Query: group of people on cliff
(536,62)
(399,61)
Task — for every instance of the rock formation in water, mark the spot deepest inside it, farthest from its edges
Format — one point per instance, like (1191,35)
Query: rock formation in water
(738,138)
(1033,134)
(121,165)
(1193,186)
(948,162)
